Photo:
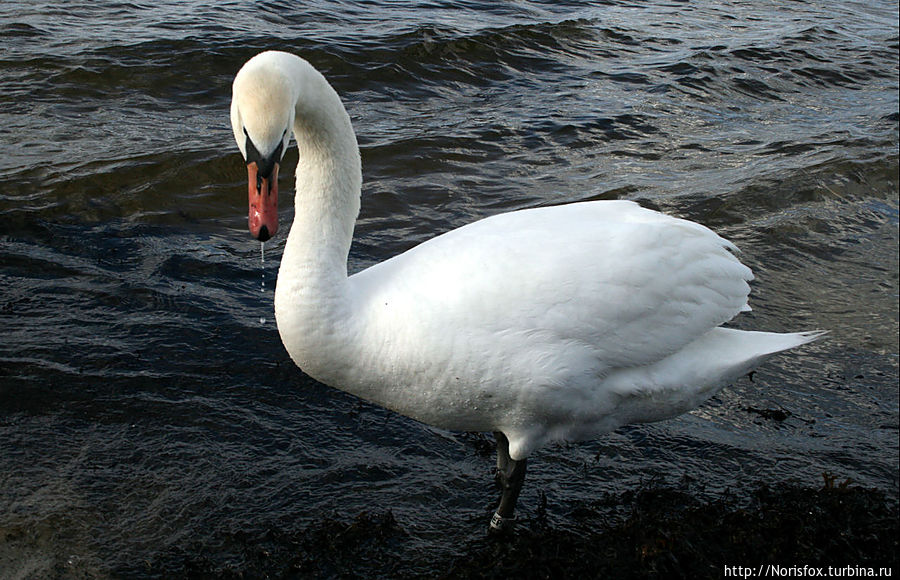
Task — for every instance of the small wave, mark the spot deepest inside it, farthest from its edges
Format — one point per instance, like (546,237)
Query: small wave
(22,30)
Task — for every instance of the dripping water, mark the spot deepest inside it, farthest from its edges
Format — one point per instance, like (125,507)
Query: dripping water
(262,267)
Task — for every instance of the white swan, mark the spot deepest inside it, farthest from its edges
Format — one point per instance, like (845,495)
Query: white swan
(557,323)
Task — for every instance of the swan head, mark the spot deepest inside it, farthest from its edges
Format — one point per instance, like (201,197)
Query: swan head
(262,115)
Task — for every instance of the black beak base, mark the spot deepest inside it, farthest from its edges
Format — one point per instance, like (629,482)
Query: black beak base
(265,165)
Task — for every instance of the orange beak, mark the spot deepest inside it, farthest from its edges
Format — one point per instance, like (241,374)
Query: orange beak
(263,218)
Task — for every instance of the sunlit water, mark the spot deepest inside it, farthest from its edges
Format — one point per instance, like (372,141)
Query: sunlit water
(147,407)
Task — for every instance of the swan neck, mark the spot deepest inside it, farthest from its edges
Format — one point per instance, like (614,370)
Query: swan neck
(328,174)
(312,295)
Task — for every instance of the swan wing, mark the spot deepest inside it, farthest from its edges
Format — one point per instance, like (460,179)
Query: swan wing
(630,284)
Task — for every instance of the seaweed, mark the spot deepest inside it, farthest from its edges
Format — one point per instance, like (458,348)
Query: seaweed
(664,532)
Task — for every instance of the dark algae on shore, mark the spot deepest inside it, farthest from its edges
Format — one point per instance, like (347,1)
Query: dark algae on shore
(660,531)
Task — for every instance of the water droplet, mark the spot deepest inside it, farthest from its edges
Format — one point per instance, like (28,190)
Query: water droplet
(262,266)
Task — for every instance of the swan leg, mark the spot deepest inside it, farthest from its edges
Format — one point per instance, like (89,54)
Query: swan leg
(511,475)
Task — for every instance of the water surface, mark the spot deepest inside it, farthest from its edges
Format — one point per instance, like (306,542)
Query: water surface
(147,415)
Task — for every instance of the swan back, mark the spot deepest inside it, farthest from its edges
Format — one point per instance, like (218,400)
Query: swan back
(632,284)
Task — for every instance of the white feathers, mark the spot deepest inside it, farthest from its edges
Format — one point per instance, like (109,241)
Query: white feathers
(551,323)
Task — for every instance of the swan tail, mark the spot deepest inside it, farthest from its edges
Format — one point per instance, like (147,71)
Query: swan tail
(726,353)
(768,343)
(674,385)
(684,380)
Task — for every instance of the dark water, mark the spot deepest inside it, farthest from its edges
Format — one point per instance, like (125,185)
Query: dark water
(146,413)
